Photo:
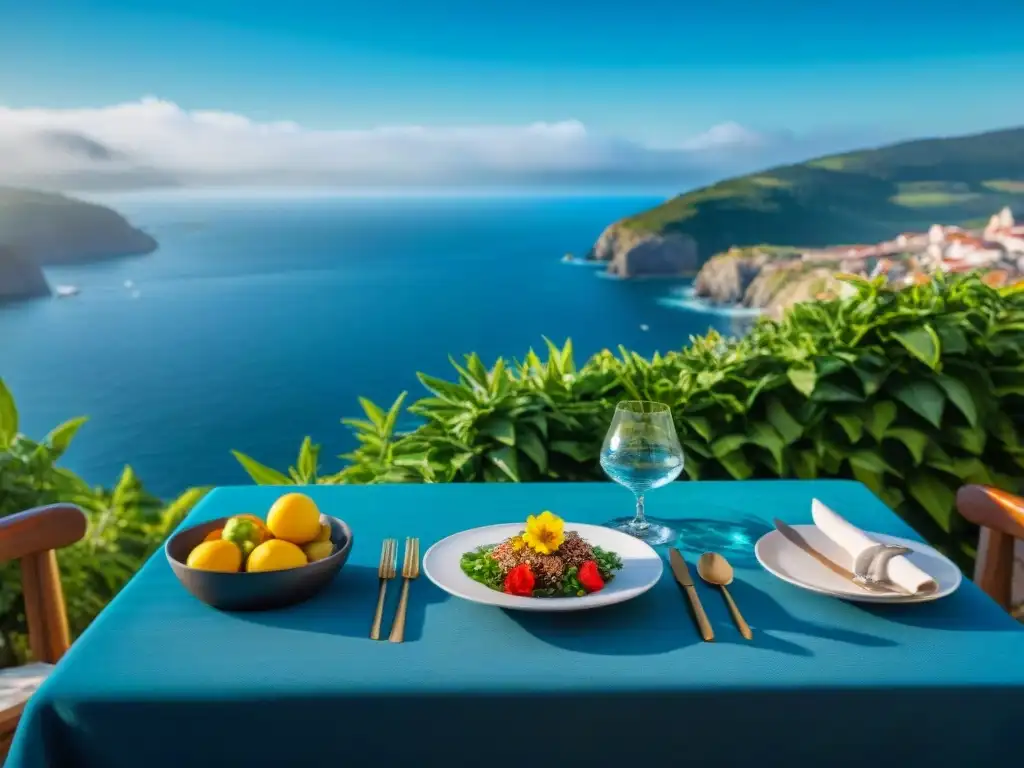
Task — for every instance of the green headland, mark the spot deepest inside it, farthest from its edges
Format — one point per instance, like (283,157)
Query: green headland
(856,197)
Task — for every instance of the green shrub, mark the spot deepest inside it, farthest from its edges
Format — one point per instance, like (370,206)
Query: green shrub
(912,392)
(126,524)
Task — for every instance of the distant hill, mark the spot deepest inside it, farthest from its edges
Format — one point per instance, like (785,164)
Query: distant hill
(40,228)
(862,196)
(66,160)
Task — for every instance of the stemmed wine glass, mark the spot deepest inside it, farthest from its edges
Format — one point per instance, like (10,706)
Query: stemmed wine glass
(642,452)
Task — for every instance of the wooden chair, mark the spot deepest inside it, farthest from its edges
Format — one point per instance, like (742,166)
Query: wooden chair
(33,538)
(1001,518)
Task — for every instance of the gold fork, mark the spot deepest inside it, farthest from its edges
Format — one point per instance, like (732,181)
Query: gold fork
(385,571)
(410,570)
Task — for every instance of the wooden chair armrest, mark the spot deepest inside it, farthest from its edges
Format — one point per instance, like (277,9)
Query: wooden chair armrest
(992,508)
(40,530)
(1000,515)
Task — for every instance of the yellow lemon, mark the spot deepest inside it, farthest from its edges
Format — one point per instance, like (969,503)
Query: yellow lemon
(318,550)
(217,555)
(325,533)
(295,518)
(275,555)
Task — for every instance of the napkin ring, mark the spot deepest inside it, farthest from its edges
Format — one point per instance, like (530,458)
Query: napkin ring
(872,565)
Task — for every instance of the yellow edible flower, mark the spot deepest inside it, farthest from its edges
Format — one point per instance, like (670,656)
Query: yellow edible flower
(517,543)
(544,532)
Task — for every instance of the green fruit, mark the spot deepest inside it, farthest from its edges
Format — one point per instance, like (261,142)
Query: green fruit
(325,533)
(318,550)
(245,534)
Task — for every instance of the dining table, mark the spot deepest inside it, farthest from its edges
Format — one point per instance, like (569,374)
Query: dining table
(162,679)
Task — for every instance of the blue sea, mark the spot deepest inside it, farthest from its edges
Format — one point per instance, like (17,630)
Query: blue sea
(262,318)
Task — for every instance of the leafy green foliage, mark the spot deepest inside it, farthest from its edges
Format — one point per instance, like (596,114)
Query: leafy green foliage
(913,393)
(376,435)
(126,524)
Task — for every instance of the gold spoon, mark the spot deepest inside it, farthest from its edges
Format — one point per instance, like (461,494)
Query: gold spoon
(715,569)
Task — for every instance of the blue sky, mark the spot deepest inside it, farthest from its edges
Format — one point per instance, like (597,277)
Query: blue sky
(650,70)
(635,78)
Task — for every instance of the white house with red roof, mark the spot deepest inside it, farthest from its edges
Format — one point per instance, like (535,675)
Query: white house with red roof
(1002,229)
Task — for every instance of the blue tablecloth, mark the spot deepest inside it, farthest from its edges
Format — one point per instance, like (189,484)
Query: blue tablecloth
(161,679)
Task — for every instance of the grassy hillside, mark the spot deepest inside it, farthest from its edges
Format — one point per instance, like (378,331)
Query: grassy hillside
(860,196)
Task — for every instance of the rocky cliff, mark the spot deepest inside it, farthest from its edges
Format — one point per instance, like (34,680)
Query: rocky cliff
(725,278)
(634,253)
(20,278)
(762,278)
(41,228)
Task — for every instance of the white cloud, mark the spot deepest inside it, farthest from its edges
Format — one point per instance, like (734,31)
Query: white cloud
(724,135)
(153,141)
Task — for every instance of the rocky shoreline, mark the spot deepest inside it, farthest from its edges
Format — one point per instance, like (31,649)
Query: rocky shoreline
(766,278)
(41,228)
(634,253)
(759,279)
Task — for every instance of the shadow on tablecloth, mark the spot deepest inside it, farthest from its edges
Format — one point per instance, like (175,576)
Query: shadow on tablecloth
(346,606)
(660,621)
(966,610)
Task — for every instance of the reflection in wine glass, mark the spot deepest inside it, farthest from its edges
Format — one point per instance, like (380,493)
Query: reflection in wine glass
(642,452)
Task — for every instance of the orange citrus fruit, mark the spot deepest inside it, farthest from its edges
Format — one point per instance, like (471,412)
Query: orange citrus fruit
(275,555)
(217,555)
(295,518)
(214,534)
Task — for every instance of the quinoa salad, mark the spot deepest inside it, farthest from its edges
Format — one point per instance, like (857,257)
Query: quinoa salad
(543,560)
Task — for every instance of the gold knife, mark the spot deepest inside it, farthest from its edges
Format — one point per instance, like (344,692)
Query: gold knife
(794,537)
(682,574)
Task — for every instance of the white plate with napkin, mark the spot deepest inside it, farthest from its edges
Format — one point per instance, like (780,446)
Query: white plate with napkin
(923,574)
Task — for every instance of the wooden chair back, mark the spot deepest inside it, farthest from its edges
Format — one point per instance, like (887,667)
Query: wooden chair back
(1000,515)
(33,537)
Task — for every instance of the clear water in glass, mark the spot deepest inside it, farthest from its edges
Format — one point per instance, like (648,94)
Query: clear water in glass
(642,452)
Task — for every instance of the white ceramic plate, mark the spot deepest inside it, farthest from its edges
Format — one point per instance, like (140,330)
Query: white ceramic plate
(784,559)
(641,568)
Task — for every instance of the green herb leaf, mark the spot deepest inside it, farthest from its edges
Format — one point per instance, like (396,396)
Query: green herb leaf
(923,343)
(8,416)
(960,396)
(923,398)
(261,473)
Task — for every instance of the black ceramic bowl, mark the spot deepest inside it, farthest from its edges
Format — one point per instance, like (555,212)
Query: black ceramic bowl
(255,591)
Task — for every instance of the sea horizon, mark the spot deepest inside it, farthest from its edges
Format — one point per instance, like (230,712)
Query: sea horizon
(111,197)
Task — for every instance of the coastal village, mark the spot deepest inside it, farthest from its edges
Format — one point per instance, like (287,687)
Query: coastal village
(774,278)
(912,257)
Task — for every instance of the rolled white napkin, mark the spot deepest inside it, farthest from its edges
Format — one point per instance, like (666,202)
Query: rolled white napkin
(854,541)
